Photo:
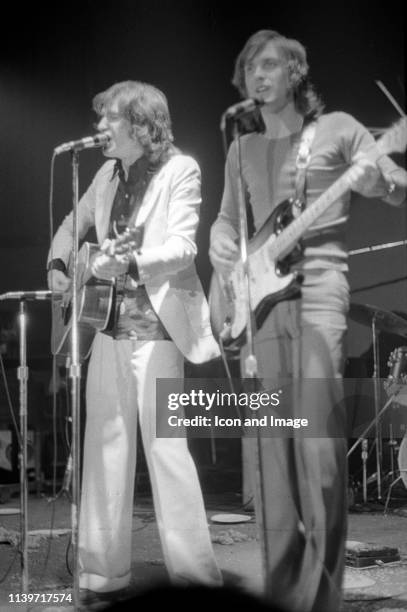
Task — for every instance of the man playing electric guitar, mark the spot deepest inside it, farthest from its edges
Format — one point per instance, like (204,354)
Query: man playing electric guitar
(305,479)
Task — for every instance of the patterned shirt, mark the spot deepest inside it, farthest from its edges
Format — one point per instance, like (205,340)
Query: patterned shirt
(134,316)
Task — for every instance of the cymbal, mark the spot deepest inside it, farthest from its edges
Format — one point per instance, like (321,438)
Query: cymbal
(384,319)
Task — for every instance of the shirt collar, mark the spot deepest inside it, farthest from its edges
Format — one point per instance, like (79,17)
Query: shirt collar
(136,170)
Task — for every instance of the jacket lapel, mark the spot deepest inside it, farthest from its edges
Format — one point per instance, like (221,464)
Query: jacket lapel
(155,191)
(105,196)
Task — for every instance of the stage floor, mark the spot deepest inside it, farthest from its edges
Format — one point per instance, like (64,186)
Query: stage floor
(382,588)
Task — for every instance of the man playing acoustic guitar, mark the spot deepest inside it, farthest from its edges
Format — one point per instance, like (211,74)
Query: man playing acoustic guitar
(301,154)
(161,315)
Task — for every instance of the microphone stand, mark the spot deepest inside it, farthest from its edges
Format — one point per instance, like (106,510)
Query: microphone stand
(250,363)
(251,360)
(22,375)
(75,375)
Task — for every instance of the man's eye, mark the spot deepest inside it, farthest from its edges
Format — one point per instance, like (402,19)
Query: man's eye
(112,116)
(270,64)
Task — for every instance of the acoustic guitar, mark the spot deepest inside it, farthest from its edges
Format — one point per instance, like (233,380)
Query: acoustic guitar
(96,298)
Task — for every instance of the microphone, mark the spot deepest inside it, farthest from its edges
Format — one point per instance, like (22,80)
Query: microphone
(89,142)
(246,106)
(26,295)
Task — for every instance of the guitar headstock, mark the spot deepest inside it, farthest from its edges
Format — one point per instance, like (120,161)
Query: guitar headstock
(394,140)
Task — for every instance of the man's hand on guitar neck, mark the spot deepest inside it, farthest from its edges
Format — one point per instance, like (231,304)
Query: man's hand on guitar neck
(366,177)
(364,174)
(223,254)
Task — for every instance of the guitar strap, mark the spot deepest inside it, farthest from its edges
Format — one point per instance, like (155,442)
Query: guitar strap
(301,164)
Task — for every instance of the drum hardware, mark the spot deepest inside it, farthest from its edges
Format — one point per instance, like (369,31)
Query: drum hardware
(384,320)
(362,440)
(402,469)
(392,443)
(378,247)
(397,377)
(397,382)
(378,320)
(364,456)
(402,460)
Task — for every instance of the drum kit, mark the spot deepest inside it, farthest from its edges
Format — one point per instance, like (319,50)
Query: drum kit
(395,386)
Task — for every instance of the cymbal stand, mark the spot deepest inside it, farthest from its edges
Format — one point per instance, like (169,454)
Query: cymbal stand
(376,383)
(364,456)
(368,428)
(362,439)
(392,444)
(376,420)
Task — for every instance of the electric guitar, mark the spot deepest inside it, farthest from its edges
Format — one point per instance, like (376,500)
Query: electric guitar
(96,298)
(270,254)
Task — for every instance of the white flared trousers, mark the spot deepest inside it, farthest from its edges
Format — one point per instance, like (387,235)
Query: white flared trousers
(121,384)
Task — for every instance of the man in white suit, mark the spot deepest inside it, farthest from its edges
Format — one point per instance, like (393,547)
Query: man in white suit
(162,316)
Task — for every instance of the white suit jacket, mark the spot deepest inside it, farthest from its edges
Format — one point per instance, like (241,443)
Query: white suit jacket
(170,215)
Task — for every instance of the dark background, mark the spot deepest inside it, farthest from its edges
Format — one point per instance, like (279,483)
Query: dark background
(55,58)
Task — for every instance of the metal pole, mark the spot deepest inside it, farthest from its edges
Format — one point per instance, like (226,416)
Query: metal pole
(250,363)
(378,247)
(75,375)
(376,374)
(22,375)
(251,360)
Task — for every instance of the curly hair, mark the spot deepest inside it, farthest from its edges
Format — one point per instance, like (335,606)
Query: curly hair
(306,100)
(146,109)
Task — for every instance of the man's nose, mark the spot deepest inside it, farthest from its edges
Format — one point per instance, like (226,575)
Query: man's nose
(102,125)
(259,72)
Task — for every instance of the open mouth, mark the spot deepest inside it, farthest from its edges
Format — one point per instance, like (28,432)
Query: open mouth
(109,139)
